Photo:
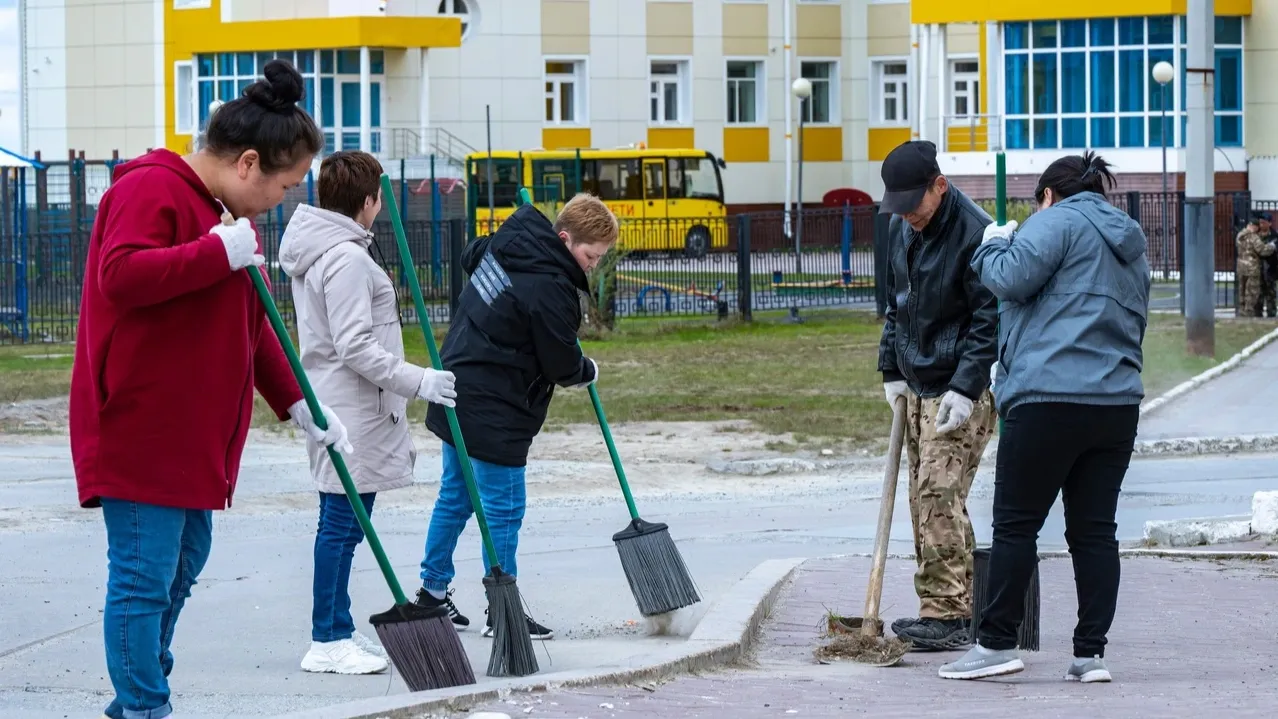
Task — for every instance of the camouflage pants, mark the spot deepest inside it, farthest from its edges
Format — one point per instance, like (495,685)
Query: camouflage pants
(1268,299)
(1248,294)
(941,471)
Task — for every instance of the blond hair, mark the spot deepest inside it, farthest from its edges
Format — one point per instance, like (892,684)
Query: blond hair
(587,220)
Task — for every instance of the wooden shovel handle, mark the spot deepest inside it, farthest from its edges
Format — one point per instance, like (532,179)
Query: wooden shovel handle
(871,624)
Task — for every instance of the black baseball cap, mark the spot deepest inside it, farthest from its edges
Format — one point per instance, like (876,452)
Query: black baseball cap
(907,172)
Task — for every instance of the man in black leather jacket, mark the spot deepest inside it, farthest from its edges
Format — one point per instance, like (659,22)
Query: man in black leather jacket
(939,342)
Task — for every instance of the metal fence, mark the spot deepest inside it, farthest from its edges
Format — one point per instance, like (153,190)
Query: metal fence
(733,266)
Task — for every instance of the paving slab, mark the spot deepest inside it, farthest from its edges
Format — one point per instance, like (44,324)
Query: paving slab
(1169,610)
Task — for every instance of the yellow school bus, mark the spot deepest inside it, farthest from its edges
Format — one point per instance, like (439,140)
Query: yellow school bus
(667,200)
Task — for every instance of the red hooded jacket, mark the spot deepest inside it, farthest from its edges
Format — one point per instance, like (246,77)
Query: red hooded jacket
(169,348)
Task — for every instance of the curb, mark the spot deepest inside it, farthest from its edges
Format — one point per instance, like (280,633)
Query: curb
(724,635)
(1195,382)
(1146,449)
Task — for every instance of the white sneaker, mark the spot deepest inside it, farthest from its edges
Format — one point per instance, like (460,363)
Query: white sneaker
(341,657)
(368,645)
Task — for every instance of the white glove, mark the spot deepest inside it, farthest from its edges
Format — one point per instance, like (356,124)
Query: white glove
(955,410)
(335,435)
(993,375)
(894,390)
(594,365)
(438,387)
(240,242)
(997,231)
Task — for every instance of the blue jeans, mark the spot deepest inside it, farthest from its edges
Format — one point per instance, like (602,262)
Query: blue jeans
(501,489)
(154,555)
(335,541)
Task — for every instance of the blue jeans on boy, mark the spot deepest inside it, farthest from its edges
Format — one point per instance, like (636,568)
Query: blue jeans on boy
(501,489)
(154,555)
(335,541)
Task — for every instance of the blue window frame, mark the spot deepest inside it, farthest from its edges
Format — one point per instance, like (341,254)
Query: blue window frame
(1088,83)
(327,77)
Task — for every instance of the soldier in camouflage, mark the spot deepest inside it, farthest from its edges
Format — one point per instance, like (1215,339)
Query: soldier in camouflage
(1269,268)
(1252,251)
(936,354)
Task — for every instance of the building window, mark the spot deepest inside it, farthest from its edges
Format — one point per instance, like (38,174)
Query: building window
(821,107)
(330,79)
(466,10)
(965,100)
(191,4)
(1073,84)
(184,111)
(745,92)
(891,79)
(565,96)
(668,86)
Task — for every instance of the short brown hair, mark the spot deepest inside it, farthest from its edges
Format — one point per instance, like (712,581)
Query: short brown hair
(346,180)
(587,220)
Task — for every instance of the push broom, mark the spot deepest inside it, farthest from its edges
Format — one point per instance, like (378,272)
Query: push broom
(658,577)
(512,653)
(421,643)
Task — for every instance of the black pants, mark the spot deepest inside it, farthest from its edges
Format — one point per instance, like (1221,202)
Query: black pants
(1044,450)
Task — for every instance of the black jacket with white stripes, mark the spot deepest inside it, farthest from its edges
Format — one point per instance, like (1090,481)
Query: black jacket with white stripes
(513,339)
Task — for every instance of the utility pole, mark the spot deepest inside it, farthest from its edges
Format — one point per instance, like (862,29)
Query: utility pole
(1200,241)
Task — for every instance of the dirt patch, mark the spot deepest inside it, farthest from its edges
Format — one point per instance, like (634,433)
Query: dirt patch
(36,416)
(845,641)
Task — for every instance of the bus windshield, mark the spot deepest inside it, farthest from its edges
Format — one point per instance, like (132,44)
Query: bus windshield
(695,178)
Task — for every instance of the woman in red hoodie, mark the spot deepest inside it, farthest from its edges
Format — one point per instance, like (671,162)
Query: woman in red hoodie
(171,343)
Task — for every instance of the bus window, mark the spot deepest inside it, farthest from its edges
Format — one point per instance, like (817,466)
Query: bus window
(675,176)
(620,180)
(590,177)
(654,179)
(553,180)
(700,180)
(505,181)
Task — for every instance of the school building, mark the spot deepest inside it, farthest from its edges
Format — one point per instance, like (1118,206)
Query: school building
(410,78)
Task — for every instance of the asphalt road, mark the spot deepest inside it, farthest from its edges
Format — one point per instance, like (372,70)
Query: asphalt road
(247,625)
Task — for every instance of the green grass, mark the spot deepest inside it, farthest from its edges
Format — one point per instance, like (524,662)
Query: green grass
(816,380)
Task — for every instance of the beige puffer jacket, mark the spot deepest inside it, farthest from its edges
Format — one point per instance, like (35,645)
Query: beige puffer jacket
(352,347)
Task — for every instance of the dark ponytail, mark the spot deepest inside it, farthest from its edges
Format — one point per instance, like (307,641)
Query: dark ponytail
(1073,174)
(266,118)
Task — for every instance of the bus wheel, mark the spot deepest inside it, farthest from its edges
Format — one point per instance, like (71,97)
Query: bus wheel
(697,243)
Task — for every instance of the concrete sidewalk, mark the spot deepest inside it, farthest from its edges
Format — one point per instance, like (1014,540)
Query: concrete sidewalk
(1240,402)
(1192,638)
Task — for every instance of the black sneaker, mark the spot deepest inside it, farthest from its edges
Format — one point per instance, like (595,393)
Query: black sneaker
(937,634)
(535,630)
(426,599)
(902,623)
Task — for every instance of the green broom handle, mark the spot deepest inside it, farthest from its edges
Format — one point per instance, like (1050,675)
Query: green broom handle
(612,449)
(524,199)
(406,259)
(1000,214)
(317,414)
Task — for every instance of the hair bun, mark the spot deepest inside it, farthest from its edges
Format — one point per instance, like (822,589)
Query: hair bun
(281,89)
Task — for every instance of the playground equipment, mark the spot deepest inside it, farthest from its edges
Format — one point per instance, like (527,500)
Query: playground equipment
(847,198)
(667,289)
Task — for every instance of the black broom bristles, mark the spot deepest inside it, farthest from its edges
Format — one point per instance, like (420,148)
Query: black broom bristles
(423,645)
(658,577)
(512,654)
(1027,635)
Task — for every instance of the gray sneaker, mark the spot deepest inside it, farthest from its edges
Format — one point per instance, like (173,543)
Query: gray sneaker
(1088,670)
(980,663)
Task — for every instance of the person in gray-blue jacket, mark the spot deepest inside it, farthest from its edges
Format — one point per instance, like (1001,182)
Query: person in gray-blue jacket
(1073,291)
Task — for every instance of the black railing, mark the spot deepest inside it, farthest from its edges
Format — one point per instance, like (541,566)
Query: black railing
(714,267)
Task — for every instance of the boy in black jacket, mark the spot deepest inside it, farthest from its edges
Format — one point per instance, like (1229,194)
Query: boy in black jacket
(514,338)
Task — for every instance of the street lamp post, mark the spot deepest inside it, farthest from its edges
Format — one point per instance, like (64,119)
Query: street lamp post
(1163,74)
(802,89)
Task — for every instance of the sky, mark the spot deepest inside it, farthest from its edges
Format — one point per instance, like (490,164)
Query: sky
(9,120)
